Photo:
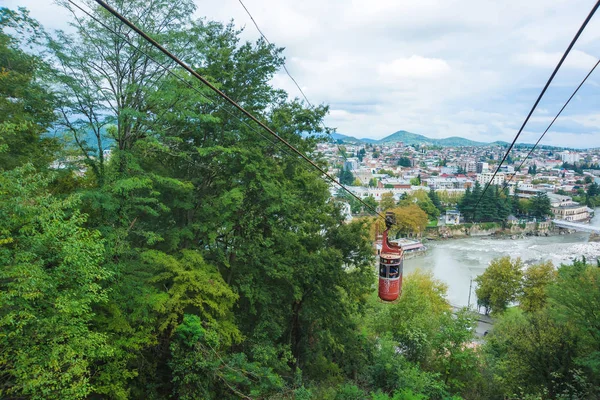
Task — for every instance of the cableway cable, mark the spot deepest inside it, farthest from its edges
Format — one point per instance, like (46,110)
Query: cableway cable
(268,42)
(188,84)
(555,118)
(564,56)
(230,101)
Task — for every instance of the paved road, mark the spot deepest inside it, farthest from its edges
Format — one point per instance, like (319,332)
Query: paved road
(484,323)
(482,327)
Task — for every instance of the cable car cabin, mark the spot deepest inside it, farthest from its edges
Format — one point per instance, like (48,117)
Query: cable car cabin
(391,266)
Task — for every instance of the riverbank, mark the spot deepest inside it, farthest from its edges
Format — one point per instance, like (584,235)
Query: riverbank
(455,262)
(493,229)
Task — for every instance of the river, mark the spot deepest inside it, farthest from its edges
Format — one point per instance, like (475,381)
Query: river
(456,261)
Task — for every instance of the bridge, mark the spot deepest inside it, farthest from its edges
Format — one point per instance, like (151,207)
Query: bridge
(574,225)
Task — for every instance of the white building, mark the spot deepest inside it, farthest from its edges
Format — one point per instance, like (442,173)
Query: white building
(569,157)
(452,217)
(485,177)
(449,170)
(563,207)
(468,166)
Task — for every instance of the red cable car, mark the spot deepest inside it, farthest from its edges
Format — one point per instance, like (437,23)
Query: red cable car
(391,265)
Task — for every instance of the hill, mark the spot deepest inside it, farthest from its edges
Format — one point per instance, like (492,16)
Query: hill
(409,138)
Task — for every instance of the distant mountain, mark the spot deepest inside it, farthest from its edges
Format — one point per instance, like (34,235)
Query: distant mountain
(346,138)
(406,138)
(412,139)
(409,138)
(367,140)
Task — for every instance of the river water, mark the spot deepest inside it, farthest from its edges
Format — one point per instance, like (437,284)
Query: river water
(456,261)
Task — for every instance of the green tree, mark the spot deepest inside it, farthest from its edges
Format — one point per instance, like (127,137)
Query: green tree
(202,369)
(435,199)
(370,200)
(404,162)
(532,355)
(387,201)
(26,105)
(455,360)
(500,284)
(421,199)
(515,204)
(572,298)
(593,189)
(391,372)
(536,279)
(540,206)
(433,338)
(361,154)
(466,205)
(387,172)
(51,281)
(532,170)
(415,319)
(346,177)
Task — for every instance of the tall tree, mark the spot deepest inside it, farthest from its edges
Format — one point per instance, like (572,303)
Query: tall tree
(500,284)
(536,279)
(572,298)
(26,105)
(387,201)
(466,205)
(540,206)
(104,85)
(433,196)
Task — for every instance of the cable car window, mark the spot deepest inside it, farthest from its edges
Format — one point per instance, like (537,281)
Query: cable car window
(394,271)
(382,271)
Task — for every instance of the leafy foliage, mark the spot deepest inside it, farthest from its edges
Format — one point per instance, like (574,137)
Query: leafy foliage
(500,284)
(494,206)
(423,200)
(26,105)
(51,279)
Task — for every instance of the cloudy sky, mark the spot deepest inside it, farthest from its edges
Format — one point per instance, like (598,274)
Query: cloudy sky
(470,68)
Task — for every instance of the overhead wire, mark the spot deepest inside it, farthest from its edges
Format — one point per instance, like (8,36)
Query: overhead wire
(125,38)
(232,102)
(268,42)
(562,59)
(555,118)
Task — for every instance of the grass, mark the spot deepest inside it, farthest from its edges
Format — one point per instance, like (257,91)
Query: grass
(432,223)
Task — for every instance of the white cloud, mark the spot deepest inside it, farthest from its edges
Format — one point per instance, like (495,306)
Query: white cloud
(414,67)
(541,59)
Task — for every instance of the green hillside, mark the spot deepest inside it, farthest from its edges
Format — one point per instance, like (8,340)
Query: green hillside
(411,139)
